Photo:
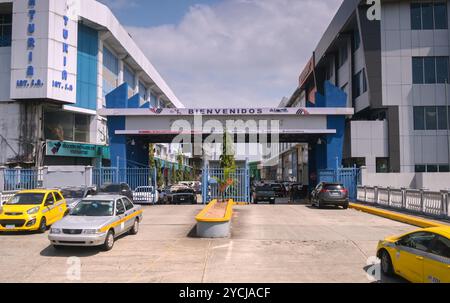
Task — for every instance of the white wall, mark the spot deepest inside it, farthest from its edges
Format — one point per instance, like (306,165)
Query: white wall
(67,176)
(399,44)
(369,139)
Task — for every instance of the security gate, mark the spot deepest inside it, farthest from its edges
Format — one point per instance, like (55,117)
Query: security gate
(134,177)
(239,192)
(349,177)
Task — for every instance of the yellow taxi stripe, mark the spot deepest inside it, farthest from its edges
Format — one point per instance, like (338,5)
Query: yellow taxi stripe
(112,225)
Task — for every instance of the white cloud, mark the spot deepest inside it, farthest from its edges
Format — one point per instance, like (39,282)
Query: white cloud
(238,52)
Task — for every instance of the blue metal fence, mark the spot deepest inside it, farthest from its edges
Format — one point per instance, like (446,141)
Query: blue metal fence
(349,177)
(239,191)
(134,177)
(20,178)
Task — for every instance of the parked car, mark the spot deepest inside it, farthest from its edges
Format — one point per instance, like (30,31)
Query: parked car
(144,194)
(121,189)
(330,194)
(97,221)
(74,195)
(33,210)
(264,193)
(279,189)
(179,194)
(421,256)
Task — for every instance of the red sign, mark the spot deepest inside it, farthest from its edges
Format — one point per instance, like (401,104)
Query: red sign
(307,71)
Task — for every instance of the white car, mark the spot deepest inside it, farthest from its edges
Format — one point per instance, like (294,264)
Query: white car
(144,194)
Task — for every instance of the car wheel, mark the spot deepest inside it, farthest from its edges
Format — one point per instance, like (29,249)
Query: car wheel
(109,241)
(345,206)
(135,228)
(386,263)
(42,226)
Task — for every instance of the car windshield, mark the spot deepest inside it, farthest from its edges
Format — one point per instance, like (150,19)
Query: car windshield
(94,209)
(264,188)
(111,188)
(276,186)
(72,193)
(26,199)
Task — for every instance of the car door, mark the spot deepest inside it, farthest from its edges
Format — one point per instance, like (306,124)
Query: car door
(60,205)
(437,262)
(410,255)
(49,208)
(129,210)
(120,214)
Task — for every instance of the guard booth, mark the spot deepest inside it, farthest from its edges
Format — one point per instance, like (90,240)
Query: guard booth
(132,126)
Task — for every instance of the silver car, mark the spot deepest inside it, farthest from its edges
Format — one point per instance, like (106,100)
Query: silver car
(97,221)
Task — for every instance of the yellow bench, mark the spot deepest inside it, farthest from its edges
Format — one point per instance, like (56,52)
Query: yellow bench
(214,221)
(206,214)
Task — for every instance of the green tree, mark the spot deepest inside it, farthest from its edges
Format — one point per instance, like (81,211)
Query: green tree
(159,175)
(173,175)
(180,175)
(151,155)
(228,164)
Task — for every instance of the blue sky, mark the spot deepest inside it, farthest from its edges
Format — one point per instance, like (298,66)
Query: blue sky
(152,12)
(227,53)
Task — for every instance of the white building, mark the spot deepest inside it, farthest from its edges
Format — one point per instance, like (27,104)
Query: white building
(394,72)
(58,60)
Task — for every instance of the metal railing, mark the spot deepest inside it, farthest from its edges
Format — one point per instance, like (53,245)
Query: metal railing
(5,196)
(21,178)
(429,203)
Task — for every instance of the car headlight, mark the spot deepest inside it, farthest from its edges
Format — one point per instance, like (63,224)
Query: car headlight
(33,210)
(90,231)
(55,231)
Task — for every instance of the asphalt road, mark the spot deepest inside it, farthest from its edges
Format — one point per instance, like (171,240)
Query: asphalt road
(269,243)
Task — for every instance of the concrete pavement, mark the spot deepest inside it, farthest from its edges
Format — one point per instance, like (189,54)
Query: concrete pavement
(269,243)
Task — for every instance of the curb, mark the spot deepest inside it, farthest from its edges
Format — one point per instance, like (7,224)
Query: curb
(412,220)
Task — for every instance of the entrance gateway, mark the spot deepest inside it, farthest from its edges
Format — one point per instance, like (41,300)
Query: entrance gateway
(321,125)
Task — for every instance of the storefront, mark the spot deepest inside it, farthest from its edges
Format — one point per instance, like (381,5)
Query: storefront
(75,153)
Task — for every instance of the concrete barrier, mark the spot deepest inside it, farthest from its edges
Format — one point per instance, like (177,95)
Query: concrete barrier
(214,227)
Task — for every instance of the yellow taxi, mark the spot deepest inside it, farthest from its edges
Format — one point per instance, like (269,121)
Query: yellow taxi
(422,256)
(32,210)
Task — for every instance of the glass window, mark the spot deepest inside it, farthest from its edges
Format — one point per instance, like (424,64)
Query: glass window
(110,61)
(419,118)
(416,16)
(127,203)
(442,70)
(342,55)
(119,207)
(58,196)
(5,30)
(427,16)
(49,200)
(364,80)
(81,128)
(430,69)
(440,16)
(417,70)
(444,168)
(420,241)
(421,169)
(430,118)
(356,40)
(442,117)
(26,199)
(432,168)
(142,91)
(382,165)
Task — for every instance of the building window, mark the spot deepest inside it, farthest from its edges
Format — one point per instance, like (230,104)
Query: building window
(343,55)
(356,40)
(431,117)
(142,92)
(432,168)
(5,30)
(382,165)
(128,77)
(429,15)
(430,70)
(110,71)
(359,83)
(66,126)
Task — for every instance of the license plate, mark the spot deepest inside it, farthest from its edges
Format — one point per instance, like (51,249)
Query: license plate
(10,226)
(335,194)
(182,199)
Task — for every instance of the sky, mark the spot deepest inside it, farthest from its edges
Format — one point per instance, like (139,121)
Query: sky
(227,53)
